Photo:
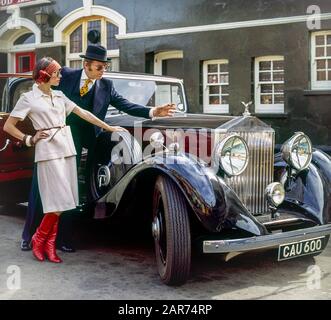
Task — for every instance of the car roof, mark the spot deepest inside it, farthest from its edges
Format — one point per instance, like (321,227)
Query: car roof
(118,75)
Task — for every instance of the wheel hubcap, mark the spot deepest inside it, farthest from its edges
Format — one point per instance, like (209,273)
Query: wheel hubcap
(103,176)
(156,229)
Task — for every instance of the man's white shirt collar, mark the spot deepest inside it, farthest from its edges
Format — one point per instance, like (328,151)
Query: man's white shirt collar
(84,77)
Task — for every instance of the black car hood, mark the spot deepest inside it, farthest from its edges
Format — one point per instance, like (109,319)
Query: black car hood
(183,120)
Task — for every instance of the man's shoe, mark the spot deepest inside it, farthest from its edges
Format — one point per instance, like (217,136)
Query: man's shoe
(66,248)
(25,245)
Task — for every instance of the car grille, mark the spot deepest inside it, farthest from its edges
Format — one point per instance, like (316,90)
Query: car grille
(251,184)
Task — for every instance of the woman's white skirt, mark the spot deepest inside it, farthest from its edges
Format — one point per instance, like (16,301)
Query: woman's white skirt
(58,184)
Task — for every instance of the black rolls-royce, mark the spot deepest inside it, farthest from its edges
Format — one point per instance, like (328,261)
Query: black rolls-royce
(206,178)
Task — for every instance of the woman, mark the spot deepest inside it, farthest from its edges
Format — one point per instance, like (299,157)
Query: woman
(55,152)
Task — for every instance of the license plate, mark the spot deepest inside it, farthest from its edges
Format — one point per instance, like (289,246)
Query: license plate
(300,248)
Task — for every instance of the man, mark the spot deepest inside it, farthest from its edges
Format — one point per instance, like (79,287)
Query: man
(90,91)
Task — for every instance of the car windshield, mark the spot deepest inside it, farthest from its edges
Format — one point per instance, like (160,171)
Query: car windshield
(145,92)
(150,93)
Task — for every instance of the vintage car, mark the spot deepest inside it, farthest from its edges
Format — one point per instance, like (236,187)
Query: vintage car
(199,179)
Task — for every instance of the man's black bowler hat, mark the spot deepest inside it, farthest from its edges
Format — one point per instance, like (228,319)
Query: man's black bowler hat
(94,52)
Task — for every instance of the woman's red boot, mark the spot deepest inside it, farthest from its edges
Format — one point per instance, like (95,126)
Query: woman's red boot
(49,247)
(41,234)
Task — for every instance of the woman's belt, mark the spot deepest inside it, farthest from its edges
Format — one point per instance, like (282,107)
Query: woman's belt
(58,130)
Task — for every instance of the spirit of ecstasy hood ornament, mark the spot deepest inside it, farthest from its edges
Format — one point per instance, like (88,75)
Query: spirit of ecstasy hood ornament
(246,112)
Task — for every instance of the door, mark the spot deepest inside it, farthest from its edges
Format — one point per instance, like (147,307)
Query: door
(25,61)
(16,160)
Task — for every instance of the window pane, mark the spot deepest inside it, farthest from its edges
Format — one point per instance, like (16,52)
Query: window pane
(112,42)
(265,65)
(224,67)
(24,64)
(320,40)
(278,76)
(214,89)
(225,100)
(329,75)
(27,38)
(279,88)
(94,25)
(76,64)
(320,52)
(266,99)
(329,64)
(321,64)
(212,68)
(278,65)
(225,89)
(214,100)
(321,75)
(76,41)
(266,88)
(328,41)
(265,76)
(224,78)
(279,98)
(213,79)
(328,51)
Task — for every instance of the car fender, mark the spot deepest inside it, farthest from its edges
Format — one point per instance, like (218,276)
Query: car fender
(213,202)
(308,192)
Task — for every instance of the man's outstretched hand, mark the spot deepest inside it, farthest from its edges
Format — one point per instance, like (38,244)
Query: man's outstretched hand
(167,110)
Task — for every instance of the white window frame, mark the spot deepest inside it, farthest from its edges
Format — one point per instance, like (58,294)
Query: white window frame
(266,108)
(165,55)
(84,23)
(317,84)
(215,108)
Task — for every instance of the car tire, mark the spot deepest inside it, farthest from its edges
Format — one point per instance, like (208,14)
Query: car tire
(171,231)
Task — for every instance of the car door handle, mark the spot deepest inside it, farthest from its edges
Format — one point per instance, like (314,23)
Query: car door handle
(6,145)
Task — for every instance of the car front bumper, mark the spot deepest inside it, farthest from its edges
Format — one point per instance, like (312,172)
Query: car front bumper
(264,242)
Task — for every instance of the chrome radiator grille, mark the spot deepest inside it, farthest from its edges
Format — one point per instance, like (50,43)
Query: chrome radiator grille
(251,184)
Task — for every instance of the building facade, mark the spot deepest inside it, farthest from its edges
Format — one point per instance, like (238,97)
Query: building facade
(274,53)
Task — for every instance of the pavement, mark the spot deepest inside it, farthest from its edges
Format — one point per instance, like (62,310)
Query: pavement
(115,262)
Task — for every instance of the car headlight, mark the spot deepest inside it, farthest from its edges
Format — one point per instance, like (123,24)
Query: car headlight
(275,193)
(232,155)
(297,151)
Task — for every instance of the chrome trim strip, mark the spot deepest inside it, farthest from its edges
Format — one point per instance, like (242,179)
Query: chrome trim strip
(6,145)
(264,242)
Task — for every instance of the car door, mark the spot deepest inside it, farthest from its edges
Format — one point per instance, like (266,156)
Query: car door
(16,160)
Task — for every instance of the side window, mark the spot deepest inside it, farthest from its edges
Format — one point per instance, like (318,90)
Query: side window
(269,84)
(321,60)
(216,86)
(4,95)
(16,91)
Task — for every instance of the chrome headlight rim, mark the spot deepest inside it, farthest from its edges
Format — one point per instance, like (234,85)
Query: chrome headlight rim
(288,151)
(218,154)
(271,194)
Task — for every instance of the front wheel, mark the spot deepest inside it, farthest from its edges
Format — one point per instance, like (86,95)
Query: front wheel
(171,232)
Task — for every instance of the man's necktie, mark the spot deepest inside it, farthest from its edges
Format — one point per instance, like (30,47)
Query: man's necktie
(84,88)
